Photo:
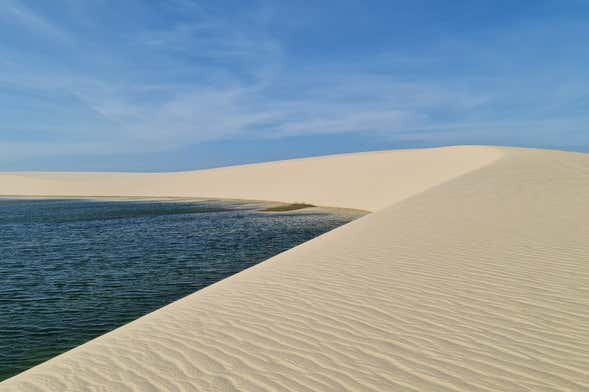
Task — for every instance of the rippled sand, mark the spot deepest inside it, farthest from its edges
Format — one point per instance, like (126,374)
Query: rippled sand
(472,274)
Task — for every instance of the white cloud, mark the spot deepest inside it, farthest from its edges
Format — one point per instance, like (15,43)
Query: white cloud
(16,11)
(206,78)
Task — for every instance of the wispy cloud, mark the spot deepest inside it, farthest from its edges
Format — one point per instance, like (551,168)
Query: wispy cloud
(150,77)
(16,12)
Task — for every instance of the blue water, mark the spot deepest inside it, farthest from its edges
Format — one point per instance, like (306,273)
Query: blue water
(71,270)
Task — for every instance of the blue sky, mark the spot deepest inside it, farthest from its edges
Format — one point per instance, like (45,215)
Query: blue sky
(174,85)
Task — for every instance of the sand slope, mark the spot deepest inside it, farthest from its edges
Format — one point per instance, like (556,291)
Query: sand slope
(367,181)
(477,281)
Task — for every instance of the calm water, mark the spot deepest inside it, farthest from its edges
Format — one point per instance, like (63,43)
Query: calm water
(71,270)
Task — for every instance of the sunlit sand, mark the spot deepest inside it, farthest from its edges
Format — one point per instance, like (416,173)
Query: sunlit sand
(470,274)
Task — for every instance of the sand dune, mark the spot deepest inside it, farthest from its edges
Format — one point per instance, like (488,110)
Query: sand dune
(472,274)
(367,181)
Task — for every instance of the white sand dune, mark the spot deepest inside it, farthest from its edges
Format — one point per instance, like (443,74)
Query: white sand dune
(367,181)
(472,274)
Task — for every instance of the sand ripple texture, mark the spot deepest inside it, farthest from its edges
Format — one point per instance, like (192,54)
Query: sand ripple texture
(479,283)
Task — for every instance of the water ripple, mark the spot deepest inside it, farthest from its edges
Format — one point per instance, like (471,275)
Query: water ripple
(74,269)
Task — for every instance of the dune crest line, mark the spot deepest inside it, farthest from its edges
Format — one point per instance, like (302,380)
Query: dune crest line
(471,275)
(366,181)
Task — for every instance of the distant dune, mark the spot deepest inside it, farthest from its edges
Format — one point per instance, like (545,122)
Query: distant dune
(471,274)
(368,181)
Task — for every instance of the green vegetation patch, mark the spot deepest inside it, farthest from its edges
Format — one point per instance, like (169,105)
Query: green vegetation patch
(288,207)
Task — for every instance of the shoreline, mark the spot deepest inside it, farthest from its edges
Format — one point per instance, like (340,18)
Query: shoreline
(81,268)
(266,203)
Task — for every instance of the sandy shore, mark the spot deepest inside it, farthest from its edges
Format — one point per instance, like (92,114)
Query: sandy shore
(471,274)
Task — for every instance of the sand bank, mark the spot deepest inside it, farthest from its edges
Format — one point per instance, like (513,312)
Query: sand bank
(471,275)
(366,181)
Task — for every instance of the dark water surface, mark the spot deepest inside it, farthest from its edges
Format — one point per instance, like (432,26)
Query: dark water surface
(71,270)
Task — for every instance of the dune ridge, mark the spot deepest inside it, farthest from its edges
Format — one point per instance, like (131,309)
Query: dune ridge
(363,181)
(473,276)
